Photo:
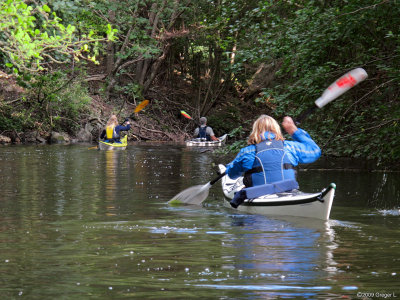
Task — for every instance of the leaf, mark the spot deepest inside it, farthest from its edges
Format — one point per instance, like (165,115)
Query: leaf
(46,8)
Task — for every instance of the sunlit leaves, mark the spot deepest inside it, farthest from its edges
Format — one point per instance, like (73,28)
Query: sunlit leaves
(34,36)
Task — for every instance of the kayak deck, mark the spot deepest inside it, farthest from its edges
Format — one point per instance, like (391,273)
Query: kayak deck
(294,203)
(114,146)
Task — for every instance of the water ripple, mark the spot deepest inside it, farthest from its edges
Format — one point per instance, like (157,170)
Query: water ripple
(265,287)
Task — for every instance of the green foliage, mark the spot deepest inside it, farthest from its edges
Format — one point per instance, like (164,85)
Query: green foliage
(9,120)
(132,19)
(315,42)
(53,102)
(33,36)
(130,91)
(217,47)
(66,105)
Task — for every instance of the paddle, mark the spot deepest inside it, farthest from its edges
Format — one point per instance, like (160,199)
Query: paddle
(141,105)
(138,108)
(197,194)
(186,115)
(340,86)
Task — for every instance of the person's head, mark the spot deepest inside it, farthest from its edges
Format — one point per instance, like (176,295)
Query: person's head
(112,121)
(203,121)
(263,124)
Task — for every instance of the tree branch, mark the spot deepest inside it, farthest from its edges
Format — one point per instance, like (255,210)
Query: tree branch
(358,101)
(363,8)
(367,129)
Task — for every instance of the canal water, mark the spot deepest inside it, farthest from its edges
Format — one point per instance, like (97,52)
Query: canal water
(87,224)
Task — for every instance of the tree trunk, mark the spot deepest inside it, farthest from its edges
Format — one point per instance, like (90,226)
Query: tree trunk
(153,20)
(154,69)
(110,44)
(113,66)
(214,85)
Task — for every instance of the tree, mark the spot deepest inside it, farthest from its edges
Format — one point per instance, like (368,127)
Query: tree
(33,37)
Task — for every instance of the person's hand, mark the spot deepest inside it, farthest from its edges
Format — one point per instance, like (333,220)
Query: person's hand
(289,125)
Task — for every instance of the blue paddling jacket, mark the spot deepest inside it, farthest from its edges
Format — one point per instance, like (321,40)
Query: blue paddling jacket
(271,164)
(271,160)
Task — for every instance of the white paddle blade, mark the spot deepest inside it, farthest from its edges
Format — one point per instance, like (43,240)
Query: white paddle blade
(193,195)
(343,84)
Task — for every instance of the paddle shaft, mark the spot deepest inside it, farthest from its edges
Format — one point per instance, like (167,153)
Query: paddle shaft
(217,178)
(142,105)
(305,114)
(124,121)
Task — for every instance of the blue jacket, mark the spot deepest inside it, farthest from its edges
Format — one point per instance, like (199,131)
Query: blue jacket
(302,150)
(271,164)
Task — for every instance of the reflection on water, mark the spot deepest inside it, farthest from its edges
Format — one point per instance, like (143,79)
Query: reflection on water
(389,212)
(95,224)
(111,189)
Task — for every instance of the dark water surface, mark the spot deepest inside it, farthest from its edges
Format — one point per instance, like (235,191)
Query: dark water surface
(87,224)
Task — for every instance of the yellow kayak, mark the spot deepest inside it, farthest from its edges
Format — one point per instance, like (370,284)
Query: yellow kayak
(114,146)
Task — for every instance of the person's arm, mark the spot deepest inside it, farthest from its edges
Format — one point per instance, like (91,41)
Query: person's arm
(302,150)
(196,132)
(123,128)
(243,161)
(120,128)
(210,131)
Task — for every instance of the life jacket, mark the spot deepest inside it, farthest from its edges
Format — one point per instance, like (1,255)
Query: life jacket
(203,133)
(111,133)
(270,165)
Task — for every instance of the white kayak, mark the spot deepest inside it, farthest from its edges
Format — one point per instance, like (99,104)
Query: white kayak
(204,143)
(295,203)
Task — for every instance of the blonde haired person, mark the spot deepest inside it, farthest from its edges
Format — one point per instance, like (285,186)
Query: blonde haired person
(265,124)
(111,134)
(270,159)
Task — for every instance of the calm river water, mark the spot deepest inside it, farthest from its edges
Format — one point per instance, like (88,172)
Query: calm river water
(87,224)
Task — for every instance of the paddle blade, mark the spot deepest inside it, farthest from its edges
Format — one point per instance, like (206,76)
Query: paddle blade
(185,114)
(141,105)
(341,85)
(194,195)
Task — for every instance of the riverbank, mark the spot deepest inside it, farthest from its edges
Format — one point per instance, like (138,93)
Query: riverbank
(49,121)
(76,110)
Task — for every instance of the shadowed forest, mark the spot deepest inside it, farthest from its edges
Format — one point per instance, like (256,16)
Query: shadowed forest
(66,65)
